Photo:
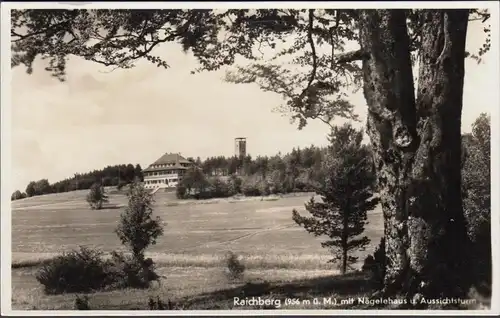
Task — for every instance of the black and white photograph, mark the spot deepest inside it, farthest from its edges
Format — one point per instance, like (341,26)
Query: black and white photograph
(254,157)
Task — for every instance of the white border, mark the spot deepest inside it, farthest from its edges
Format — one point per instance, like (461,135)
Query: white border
(5,74)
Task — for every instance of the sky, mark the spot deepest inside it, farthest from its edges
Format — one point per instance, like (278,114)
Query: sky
(98,118)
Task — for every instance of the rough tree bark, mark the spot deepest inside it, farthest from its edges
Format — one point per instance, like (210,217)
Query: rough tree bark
(391,125)
(417,148)
(436,220)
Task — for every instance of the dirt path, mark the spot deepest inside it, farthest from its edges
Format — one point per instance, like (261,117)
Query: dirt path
(227,242)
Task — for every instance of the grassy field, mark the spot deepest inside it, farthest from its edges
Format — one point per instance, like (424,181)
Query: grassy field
(275,251)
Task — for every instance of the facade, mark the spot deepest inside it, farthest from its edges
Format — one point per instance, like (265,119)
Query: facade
(166,172)
(240,147)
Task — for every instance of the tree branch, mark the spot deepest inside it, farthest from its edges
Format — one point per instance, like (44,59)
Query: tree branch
(352,56)
(137,54)
(61,26)
(313,50)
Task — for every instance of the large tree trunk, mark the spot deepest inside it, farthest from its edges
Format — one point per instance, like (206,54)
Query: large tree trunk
(436,221)
(391,125)
(417,146)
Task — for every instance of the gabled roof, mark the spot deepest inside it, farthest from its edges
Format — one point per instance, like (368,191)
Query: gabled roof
(169,159)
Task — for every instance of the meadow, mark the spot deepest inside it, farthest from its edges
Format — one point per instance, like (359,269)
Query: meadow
(198,234)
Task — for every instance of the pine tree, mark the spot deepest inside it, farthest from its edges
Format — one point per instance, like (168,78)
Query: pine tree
(346,194)
(96,196)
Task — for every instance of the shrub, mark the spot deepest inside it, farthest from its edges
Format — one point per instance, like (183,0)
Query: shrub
(82,303)
(264,187)
(180,191)
(275,182)
(234,267)
(303,183)
(250,186)
(158,304)
(96,196)
(287,184)
(128,271)
(195,182)
(120,185)
(81,270)
(234,185)
(220,188)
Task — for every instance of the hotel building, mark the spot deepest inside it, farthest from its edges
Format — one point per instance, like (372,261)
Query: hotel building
(166,172)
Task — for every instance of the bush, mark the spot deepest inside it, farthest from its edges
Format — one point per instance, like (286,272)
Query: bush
(96,197)
(220,188)
(264,187)
(158,304)
(288,184)
(82,303)
(234,267)
(375,264)
(180,191)
(120,185)
(86,271)
(128,272)
(303,183)
(250,186)
(81,270)
(234,185)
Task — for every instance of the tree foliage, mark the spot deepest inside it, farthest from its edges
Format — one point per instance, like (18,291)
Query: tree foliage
(195,181)
(38,188)
(17,195)
(346,197)
(415,136)
(96,196)
(137,228)
(108,176)
(299,54)
(476,185)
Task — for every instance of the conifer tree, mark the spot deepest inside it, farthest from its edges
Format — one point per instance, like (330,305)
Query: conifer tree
(346,196)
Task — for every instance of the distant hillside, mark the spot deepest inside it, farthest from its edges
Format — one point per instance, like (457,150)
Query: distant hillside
(292,169)
(109,176)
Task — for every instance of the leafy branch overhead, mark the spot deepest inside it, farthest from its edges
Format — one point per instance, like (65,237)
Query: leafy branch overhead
(299,54)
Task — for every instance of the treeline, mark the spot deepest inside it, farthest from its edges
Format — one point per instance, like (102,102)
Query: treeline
(293,163)
(218,177)
(117,175)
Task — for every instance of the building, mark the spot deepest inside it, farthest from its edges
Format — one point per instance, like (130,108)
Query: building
(166,172)
(240,147)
